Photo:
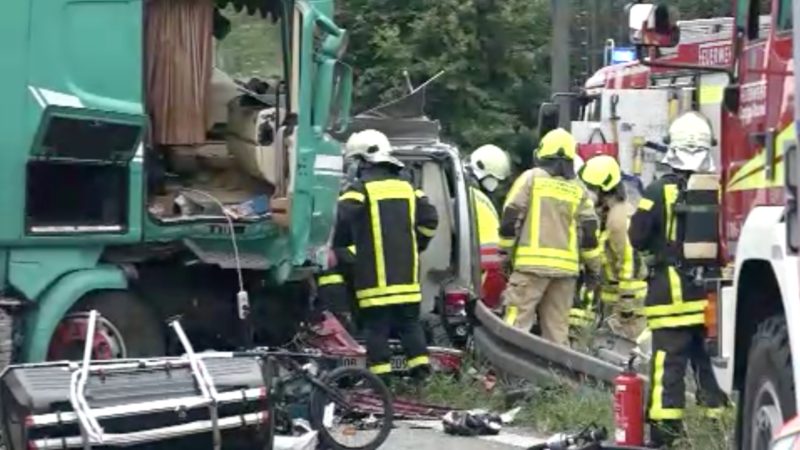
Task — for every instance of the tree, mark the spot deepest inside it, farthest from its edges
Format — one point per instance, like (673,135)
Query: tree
(495,54)
(692,9)
(490,50)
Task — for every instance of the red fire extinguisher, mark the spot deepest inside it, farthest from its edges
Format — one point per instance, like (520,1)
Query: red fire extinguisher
(628,407)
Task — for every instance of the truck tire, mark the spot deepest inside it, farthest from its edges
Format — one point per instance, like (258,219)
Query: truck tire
(769,385)
(128,324)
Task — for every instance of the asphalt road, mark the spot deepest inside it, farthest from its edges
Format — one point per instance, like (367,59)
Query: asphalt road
(420,436)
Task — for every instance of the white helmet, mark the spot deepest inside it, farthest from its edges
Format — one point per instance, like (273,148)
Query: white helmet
(354,145)
(490,165)
(690,142)
(373,146)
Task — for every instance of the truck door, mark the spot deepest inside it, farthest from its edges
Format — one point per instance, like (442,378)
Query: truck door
(321,99)
(745,140)
(792,168)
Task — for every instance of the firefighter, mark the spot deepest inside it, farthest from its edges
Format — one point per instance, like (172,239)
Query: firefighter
(623,288)
(551,225)
(390,223)
(487,167)
(675,303)
(334,286)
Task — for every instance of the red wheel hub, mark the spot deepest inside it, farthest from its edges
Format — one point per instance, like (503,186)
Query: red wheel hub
(69,340)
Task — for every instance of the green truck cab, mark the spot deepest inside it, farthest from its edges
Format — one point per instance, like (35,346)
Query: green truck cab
(112,200)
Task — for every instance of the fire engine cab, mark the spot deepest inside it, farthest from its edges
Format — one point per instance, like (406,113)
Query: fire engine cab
(743,82)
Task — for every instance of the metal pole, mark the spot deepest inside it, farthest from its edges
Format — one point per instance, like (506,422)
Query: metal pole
(560,58)
(594,41)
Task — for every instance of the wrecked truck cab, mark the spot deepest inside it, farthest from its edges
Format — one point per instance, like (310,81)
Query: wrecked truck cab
(86,126)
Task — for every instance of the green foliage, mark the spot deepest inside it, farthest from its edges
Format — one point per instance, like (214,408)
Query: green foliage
(552,407)
(495,54)
(252,48)
(692,9)
(489,50)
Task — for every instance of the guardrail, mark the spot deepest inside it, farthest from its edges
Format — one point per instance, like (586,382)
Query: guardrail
(531,357)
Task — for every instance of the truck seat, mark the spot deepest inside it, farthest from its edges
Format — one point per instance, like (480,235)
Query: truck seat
(250,137)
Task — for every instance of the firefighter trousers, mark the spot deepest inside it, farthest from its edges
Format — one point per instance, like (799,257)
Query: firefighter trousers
(403,319)
(673,350)
(528,294)
(334,295)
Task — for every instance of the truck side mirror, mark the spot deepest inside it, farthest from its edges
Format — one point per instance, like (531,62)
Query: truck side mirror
(730,98)
(653,25)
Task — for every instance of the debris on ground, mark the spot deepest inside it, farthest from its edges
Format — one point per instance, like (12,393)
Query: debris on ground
(408,409)
(303,437)
(477,422)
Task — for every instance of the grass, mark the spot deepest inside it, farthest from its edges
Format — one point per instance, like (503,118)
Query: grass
(556,407)
(253,47)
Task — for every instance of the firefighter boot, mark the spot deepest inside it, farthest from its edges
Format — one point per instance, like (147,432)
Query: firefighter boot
(626,325)
(420,374)
(665,433)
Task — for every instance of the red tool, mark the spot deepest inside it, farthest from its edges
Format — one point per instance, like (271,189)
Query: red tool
(628,407)
(591,148)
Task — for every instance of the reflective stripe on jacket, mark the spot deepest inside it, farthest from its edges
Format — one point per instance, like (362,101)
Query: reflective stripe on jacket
(390,223)
(545,217)
(508,242)
(673,298)
(624,271)
(488,229)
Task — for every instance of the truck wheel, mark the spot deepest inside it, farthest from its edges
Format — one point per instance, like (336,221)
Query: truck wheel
(769,385)
(127,328)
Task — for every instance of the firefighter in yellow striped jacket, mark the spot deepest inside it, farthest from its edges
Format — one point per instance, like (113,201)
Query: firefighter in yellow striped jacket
(487,167)
(334,291)
(551,225)
(675,302)
(623,288)
(390,223)
(334,285)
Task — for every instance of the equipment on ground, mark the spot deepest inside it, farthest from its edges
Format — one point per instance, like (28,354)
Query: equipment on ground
(242,399)
(124,403)
(342,404)
(590,438)
(629,406)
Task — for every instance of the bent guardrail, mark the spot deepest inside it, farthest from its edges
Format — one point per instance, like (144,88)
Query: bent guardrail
(531,357)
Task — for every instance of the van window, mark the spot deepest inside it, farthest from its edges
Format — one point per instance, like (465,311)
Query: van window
(784,15)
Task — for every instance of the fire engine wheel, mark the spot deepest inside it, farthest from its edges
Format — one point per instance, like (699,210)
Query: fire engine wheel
(769,386)
(126,328)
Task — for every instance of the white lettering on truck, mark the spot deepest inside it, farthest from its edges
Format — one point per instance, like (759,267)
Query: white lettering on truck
(715,54)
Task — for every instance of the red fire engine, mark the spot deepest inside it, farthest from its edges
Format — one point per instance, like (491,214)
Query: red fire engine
(744,83)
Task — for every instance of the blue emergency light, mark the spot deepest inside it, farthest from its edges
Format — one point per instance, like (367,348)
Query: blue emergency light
(623,55)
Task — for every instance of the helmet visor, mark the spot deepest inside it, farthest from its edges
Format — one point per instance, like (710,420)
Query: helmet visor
(490,183)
